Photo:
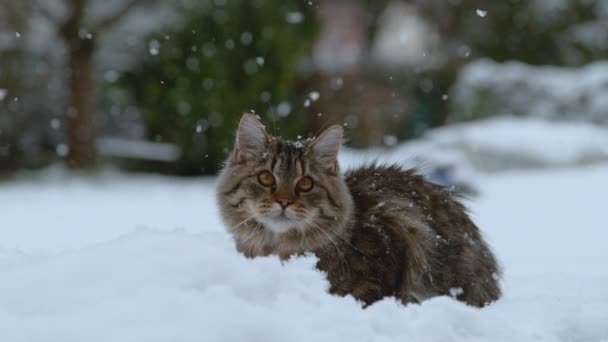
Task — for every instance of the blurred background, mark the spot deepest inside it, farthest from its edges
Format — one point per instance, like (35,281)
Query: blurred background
(115,115)
(158,86)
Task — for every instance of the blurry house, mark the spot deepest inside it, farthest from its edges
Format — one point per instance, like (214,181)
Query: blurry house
(404,40)
(367,70)
(343,39)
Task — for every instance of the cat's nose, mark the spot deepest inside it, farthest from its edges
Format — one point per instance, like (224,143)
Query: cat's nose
(284,202)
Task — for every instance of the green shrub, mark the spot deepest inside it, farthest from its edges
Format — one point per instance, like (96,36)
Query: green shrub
(225,58)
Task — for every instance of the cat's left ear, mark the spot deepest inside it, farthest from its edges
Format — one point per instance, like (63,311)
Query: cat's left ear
(326,147)
(251,137)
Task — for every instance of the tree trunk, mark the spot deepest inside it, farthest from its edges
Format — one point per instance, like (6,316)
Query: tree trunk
(82,100)
(81,111)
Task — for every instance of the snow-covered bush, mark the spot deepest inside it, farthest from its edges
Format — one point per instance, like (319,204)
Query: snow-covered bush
(496,145)
(486,88)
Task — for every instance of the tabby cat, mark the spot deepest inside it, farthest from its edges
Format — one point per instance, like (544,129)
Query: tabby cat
(377,231)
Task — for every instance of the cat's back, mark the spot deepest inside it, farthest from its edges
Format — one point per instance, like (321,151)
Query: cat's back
(407,199)
(383,180)
(426,226)
(391,186)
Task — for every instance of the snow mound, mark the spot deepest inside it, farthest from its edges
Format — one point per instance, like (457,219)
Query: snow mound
(499,144)
(507,142)
(174,286)
(56,210)
(486,88)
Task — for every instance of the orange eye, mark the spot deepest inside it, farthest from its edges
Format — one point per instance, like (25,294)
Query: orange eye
(305,184)
(266,178)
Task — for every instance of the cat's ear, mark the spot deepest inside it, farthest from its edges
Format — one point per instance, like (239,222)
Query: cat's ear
(326,147)
(251,137)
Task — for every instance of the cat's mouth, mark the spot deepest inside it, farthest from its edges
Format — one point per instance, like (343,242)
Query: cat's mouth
(280,221)
(283,217)
(282,214)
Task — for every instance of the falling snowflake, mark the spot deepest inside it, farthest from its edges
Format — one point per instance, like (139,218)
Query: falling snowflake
(314,95)
(62,150)
(55,123)
(390,140)
(481,13)
(283,109)
(294,17)
(154,47)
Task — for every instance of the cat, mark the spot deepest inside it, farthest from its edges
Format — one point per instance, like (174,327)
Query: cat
(377,231)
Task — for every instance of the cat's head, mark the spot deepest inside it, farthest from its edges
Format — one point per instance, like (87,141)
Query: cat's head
(279,187)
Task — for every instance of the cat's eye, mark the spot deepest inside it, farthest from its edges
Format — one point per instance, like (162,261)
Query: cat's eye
(266,178)
(305,184)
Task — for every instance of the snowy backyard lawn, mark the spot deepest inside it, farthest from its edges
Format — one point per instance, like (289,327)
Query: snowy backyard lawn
(131,258)
(119,257)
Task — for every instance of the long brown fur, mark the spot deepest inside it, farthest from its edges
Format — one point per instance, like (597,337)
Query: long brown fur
(377,231)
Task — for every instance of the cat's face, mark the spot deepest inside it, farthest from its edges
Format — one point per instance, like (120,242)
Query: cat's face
(280,187)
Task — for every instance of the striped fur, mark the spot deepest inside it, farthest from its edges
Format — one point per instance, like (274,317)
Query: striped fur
(378,231)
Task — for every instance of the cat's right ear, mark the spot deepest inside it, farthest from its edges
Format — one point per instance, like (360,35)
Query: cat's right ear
(327,146)
(251,137)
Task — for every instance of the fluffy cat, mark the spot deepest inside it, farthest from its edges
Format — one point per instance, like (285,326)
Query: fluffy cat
(377,231)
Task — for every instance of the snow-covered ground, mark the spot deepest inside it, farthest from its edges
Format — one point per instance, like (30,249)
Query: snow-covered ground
(145,258)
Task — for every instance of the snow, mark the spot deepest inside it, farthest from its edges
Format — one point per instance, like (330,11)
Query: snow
(314,95)
(539,141)
(66,212)
(485,87)
(154,47)
(481,13)
(116,257)
(498,144)
(294,17)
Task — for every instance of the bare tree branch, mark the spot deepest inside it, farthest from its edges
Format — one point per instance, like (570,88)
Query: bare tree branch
(114,18)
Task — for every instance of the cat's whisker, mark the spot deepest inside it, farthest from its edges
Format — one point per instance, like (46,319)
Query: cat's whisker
(304,242)
(347,241)
(243,222)
(254,232)
(335,244)
(329,237)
